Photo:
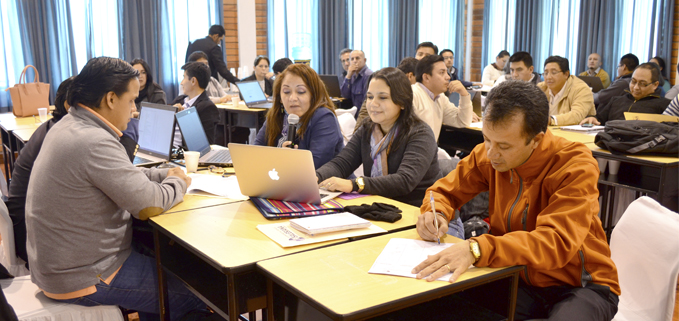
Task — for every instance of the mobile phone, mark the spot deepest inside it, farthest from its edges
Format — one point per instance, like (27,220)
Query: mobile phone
(587,125)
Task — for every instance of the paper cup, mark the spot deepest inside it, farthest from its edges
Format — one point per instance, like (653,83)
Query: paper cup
(613,167)
(235,100)
(42,112)
(602,164)
(191,161)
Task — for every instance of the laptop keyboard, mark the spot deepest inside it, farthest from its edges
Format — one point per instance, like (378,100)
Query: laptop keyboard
(140,160)
(219,156)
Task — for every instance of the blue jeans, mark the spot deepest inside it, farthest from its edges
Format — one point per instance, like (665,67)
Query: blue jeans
(135,287)
(455,228)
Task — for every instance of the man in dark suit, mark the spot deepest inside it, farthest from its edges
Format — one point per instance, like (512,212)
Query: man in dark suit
(196,78)
(209,46)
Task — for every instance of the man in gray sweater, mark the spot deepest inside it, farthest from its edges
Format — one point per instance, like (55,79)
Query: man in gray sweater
(82,194)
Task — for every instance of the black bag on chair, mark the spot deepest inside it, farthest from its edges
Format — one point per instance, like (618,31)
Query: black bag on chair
(639,137)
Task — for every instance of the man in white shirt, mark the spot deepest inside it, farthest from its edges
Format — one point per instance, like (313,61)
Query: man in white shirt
(493,71)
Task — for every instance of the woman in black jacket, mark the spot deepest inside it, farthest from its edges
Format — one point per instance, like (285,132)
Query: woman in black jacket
(261,69)
(149,91)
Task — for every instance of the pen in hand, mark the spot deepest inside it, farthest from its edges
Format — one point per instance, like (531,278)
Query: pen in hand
(433,210)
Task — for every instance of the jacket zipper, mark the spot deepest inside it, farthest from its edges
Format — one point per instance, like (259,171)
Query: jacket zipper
(525,214)
(509,216)
(525,274)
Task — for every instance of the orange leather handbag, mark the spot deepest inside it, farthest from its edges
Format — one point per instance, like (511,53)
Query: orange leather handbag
(28,97)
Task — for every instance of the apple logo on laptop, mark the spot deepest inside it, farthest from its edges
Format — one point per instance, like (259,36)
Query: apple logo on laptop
(274,174)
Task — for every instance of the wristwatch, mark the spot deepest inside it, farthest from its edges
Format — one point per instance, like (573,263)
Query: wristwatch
(360,183)
(476,251)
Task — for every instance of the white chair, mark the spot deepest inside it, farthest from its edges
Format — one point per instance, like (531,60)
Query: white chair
(8,258)
(645,249)
(347,122)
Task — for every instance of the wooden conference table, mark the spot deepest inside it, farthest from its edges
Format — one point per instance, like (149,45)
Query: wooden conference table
(11,142)
(214,250)
(240,115)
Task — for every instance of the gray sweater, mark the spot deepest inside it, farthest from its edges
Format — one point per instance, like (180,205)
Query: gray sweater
(413,166)
(81,193)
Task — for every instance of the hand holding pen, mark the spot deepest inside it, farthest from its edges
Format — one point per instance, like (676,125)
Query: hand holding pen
(433,210)
(431,226)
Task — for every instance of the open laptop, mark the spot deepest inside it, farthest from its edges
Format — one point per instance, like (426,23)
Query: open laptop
(156,130)
(593,82)
(284,174)
(332,85)
(253,95)
(196,141)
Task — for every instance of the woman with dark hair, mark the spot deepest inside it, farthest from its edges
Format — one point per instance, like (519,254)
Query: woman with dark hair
(260,73)
(300,91)
(398,151)
(149,91)
(664,82)
(83,194)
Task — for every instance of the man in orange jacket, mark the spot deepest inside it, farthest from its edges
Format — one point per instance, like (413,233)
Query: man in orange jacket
(543,212)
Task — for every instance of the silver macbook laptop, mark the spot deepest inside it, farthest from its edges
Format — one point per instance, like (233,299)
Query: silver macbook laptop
(277,173)
(156,130)
(253,95)
(332,85)
(196,141)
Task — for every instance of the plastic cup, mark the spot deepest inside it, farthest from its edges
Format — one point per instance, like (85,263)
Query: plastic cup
(235,100)
(42,112)
(613,167)
(191,161)
(602,164)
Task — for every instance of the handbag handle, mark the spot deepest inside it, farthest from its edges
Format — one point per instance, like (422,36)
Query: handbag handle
(22,78)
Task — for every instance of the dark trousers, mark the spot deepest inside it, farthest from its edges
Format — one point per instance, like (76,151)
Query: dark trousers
(593,302)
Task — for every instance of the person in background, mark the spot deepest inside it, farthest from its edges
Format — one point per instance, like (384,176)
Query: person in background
(196,79)
(149,91)
(345,59)
(278,67)
(259,74)
(299,90)
(673,108)
(594,69)
(674,91)
(570,99)
(521,67)
(356,82)
(209,45)
(397,150)
(640,99)
(449,59)
(83,193)
(493,71)
(426,49)
(214,90)
(626,67)
(664,82)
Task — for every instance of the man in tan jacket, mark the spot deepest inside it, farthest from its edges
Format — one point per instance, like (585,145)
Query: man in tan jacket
(570,99)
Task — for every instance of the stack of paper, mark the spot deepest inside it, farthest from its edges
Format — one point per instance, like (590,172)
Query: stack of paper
(579,128)
(329,223)
(215,185)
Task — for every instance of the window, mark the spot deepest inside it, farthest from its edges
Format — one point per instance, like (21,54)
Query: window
(293,30)
(370,31)
(438,24)
(94,35)
(188,22)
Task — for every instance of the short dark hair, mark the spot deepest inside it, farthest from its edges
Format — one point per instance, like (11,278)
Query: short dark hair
(408,64)
(630,60)
(344,52)
(259,58)
(280,65)
(62,93)
(514,98)
(99,77)
(661,64)
(149,76)
(561,61)
(426,66)
(428,44)
(653,68)
(193,57)
(199,71)
(522,56)
(503,53)
(446,50)
(217,30)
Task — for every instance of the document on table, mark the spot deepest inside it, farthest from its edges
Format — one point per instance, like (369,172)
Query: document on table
(400,256)
(215,185)
(286,236)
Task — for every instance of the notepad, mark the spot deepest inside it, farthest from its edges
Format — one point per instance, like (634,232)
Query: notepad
(287,236)
(329,223)
(579,128)
(215,185)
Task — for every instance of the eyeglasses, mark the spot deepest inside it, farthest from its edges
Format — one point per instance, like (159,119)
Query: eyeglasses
(641,84)
(218,170)
(552,72)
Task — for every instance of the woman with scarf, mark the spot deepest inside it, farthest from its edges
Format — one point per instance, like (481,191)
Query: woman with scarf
(300,91)
(149,91)
(397,150)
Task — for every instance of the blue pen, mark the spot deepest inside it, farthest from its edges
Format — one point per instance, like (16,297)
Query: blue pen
(436,220)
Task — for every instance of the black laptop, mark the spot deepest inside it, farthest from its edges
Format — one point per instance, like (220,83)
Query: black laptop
(196,141)
(332,85)
(593,82)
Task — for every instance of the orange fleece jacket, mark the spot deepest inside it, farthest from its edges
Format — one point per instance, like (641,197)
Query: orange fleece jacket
(543,214)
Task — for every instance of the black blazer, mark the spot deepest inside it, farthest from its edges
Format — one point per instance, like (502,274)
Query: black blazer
(214,58)
(207,112)
(268,84)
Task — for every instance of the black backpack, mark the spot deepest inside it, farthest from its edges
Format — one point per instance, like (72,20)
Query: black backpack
(639,137)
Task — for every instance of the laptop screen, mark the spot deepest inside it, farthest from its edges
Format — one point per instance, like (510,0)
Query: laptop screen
(156,127)
(251,92)
(192,130)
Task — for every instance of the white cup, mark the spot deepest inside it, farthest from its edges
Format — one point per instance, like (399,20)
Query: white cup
(235,100)
(613,167)
(602,164)
(191,161)
(43,114)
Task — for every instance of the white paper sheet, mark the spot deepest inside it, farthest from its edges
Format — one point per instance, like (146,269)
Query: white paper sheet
(215,185)
(286,236)
(400,256)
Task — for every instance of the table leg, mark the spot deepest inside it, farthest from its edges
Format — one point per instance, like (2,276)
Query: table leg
(269,300)
(163,301)
(233,300)
(514,286)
